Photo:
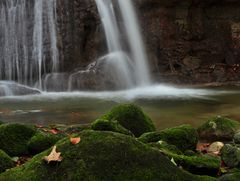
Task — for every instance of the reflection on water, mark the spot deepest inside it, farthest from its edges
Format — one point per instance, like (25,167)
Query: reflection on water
(166,106)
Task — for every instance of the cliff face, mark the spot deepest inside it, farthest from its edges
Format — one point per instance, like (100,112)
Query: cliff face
(187,40)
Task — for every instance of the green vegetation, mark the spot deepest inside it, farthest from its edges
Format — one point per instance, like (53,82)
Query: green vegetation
(218,128)
(5,161)
(102,156)
(132,118)
(105,125)
(183,137)
(14,138)
(42,141)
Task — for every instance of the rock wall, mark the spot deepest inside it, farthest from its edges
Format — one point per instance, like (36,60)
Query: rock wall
(188,41)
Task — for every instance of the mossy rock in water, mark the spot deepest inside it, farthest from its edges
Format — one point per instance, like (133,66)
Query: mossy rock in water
(102,156)
(42,141)
(218,129)
(14,138)
(185,137)
(5,161)
(105,125)
(231,155)
(132,118)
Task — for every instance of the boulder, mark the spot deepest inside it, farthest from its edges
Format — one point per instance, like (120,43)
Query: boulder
(231,155)
(5,161)
(132,118)
(105,125)
(218,129)
(42,141)
(14,138)
(185,137)
(102,156)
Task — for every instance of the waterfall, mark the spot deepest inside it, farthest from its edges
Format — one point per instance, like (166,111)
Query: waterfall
(132,65)
(28,40)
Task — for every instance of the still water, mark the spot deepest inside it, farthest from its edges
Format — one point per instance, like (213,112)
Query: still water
(167,106)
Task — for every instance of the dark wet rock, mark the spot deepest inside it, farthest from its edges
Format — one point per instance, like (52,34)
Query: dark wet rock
(12,88)
(5,161)
(105,125)
(185,137)
(131,117)
(14,138)
(218,129)
(102,156)
(231,155)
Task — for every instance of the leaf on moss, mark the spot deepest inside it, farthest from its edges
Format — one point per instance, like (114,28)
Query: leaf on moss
(75,141)
(54,156)
(173,161)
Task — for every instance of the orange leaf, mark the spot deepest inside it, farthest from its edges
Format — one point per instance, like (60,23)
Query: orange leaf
(75,141)
(54,156)
(54,131)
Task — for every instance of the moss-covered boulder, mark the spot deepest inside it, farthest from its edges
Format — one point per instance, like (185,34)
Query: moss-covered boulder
(201,165)
(231,155)
(230,177)
(5,161)
(236,138)
(14,138)
(185,137)
(105,125)
(42,141)
(218,129)
(102,156)
(164,146)
(132,118)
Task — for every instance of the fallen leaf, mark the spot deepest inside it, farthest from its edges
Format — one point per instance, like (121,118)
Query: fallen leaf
(54,131)
(54,156)
(173,161)
(75,141)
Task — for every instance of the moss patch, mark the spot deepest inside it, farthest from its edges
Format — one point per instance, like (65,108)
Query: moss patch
(14,138)
(184,137)
(132,118)
(105,125)
(102,156)
(218,128)
(42,141)
(5,161)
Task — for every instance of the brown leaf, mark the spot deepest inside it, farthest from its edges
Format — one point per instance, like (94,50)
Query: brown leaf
(75,141)
(54,156)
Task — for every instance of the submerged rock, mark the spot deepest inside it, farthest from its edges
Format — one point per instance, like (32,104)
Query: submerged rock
(185,137)
(105,125)
(102,156)
(132,118)
(5,161)
(14,138)
(218,129)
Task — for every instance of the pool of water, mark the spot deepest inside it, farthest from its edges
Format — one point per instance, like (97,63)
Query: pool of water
(167,106)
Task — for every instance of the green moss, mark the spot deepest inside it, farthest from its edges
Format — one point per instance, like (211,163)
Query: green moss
(164,146)
(230,177)
(5,161)
(77,128)
(184,137)
(14,138)
(231,155)
(42,141)
(102,156)
(105,125)
(218,128)
(132,118)
(201,165)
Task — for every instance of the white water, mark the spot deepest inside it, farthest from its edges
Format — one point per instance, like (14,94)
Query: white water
(23,33)
(138,74)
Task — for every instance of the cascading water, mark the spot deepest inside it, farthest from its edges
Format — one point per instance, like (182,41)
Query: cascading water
(132,66)
(28,40)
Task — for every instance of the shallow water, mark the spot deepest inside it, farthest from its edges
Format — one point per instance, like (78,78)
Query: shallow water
(167,106)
